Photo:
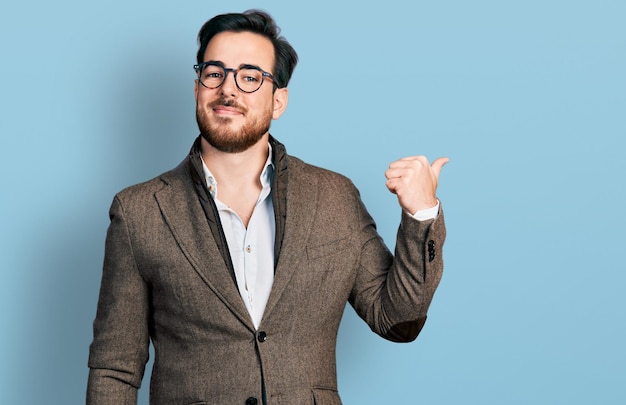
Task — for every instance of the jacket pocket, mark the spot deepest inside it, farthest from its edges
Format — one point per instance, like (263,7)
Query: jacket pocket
(327,249)
(325,396)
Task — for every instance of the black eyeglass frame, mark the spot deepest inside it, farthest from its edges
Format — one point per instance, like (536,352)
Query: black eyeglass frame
(198,68)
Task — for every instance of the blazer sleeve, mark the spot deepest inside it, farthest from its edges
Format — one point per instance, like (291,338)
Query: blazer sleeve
(392,293)
(119,350)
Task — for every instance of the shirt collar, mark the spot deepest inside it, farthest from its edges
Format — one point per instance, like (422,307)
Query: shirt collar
(266,175)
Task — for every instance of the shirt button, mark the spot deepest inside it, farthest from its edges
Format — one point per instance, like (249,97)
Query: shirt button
(251,401)
(248,248)
(262,336)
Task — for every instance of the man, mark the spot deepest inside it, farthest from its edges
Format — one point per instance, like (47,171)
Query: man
(238,263)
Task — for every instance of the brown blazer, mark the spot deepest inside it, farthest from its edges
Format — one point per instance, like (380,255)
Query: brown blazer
(167,278)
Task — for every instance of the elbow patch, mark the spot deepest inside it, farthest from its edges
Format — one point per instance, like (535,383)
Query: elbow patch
(405,331)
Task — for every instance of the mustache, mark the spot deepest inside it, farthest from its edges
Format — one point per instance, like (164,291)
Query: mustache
(222,101)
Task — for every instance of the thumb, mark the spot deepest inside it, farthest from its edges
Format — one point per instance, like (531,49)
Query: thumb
(438,164)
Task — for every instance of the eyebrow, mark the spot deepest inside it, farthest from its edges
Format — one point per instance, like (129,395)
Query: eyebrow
(241,66)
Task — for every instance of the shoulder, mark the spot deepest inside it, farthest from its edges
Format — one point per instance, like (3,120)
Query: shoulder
(329,199)
(140,192)
(301,171)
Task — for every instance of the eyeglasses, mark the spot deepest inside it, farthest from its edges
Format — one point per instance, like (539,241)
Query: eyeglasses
(248,78)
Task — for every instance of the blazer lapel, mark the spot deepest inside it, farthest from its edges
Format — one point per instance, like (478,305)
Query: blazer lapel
(184,216)
(298,223)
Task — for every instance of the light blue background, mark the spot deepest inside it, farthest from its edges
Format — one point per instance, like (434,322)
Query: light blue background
(527,98)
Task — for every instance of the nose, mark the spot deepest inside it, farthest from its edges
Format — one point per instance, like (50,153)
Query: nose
(229,86)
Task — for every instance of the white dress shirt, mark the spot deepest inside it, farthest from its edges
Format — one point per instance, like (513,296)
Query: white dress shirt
(251,249)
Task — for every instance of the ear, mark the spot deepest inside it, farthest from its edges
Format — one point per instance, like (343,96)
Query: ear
(195,90)
(281,98)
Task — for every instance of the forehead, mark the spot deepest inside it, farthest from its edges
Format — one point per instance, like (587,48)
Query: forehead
(237,48)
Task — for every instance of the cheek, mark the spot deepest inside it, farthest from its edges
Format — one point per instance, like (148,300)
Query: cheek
(201,97)
(204,95)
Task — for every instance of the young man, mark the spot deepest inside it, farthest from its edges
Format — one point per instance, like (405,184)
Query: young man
(238,263)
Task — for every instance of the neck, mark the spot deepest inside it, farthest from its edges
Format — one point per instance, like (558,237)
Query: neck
(236,168)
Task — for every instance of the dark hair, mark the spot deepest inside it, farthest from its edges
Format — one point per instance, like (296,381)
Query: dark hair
(258,22)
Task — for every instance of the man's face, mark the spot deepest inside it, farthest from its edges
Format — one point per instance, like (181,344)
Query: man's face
(229,119)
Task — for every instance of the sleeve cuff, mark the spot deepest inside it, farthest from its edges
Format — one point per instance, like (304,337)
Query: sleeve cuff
(430,213)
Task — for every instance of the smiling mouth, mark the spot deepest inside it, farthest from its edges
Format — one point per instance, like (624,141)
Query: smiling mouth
(220,109)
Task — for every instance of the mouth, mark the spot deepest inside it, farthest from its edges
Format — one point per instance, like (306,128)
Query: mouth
(226,110)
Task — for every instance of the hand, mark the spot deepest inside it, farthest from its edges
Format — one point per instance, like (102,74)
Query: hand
(414,180)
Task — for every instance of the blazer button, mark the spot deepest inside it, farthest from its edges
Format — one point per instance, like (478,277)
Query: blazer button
(251,401)
(262,336)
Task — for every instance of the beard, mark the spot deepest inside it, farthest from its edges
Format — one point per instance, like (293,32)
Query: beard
(224,139)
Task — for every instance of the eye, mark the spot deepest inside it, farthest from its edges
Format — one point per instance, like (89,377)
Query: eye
(212,72)
(250,78)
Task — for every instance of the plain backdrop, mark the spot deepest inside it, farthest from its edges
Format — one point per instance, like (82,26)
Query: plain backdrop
(527,98)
